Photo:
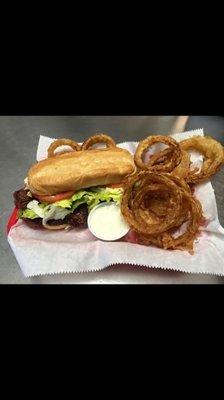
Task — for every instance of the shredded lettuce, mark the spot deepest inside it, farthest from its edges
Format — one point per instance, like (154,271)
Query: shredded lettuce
(27,214)
(34,206)
(94,196)
(47,211)
(60,209)
(54,212)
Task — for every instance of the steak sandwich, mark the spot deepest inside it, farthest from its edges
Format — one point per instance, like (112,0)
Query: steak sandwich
(60,191)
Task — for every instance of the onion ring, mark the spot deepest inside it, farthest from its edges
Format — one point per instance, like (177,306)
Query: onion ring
(61,142)
(149,182)
(213,157)
(55,227)
(185,240)
(98,138)
(160,157)
(148,219)
(179,182)
(183,169)
(170,157)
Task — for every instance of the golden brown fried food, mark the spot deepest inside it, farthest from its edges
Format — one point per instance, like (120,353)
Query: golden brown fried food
(99,138)
(164,161)
(156,205)
(179,182)
(185,240)
(61,142)
(182,170)
(160,157)
(145,184)
(213,157)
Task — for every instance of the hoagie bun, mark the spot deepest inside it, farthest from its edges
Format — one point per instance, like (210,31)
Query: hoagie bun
(80,169)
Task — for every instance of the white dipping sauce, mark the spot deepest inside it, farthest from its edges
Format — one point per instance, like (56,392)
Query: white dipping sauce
(106,222)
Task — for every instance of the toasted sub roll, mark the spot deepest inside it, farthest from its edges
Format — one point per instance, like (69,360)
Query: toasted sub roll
(78,170)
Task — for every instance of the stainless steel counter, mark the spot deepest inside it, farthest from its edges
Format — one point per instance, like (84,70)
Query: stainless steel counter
(19,138)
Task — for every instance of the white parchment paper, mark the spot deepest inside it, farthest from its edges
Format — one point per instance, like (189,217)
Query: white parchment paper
(50,252)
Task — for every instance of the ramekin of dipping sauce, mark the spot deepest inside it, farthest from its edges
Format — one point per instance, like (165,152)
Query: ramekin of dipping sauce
(106,222)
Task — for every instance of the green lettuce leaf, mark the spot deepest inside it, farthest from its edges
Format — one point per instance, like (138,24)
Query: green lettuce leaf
(28,214)
(94,196)
(79,195)
(34,205)
(54,212)
(60,209)
(67,203)
(78,203)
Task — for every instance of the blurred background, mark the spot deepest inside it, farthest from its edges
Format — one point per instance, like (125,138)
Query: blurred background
(19,139)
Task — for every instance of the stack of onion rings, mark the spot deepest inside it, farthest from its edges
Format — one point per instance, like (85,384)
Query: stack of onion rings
(148,219)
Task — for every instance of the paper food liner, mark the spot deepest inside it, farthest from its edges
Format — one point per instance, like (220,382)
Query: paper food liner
(51,252)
